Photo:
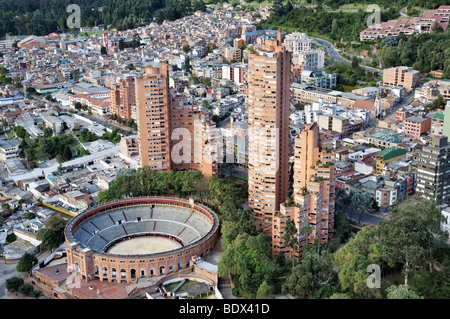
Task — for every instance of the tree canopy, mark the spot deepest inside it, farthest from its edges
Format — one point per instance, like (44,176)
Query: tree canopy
(52,235)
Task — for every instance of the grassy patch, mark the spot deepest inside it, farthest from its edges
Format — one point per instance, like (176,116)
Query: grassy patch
(348,88)
(355,6)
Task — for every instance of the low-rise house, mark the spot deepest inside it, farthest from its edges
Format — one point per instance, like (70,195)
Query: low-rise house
(9,149)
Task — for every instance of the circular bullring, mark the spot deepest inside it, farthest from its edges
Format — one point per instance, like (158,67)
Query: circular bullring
(125,240)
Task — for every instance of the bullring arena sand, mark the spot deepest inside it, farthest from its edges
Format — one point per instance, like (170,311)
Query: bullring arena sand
(143,246)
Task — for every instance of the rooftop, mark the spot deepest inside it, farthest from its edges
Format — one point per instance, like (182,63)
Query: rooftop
(416,119)
(391,153)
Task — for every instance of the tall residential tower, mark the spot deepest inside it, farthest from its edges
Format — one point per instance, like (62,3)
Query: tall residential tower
(174,133)
(268,99)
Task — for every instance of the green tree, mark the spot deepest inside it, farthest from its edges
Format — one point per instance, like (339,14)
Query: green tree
(263,291)
(434,284)
(67,153)
(361,202)
(20,132)
(52,235)
(248,260)
(37,294)
(186,48)
(407,237)
(26,262)
(206,104)
(75,74)
(13,283)
(48,132)
(353,259)
(6,209)
(340,295)
(342,226)
(401,292)
(314,277)
(335,29)
(290,238)
(30,215)
(187,65)
(121,44)
(4,124)
(26,289)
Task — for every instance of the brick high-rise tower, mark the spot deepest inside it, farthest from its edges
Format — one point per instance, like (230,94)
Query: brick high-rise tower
(269,79)
(312,202)
(154,117)
(174,133)
(123,97)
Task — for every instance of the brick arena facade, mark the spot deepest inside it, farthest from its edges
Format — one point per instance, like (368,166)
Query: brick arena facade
(90,234)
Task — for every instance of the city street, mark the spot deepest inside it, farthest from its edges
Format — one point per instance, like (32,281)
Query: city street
(9,270)
(365,219)
(6,271)
(407,100)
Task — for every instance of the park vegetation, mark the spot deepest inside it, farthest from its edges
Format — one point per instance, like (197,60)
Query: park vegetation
(423,52)
(44,147)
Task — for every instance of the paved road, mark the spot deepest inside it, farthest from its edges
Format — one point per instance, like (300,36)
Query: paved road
(407,100)
(365,219)
(79,160)
(6,271)
(9,270)
(335,55)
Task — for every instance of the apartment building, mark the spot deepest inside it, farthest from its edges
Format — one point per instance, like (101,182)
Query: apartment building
(386,197)
(268,122)
(232,53)
(9,149)
(153,117)
(123,97)
(53,122)
(408,26)
(433,167)
(305,94)
(297,42)
(173,133)
(313,59)
(402,76)
(446,128)
(129,145)
(312,202)
(415,126)
(437,124)
(322,80)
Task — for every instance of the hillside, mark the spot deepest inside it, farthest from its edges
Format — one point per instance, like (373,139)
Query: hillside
(41,17)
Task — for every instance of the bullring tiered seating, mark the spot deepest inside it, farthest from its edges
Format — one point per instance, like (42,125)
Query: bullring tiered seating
(99,231)
(189,235)
(82,236)
(102,221)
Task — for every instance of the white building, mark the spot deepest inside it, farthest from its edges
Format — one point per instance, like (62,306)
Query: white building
(55,123)
(100,145)
(445,225)
(9,149)
(313,59)
(297,42)
(322,80)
